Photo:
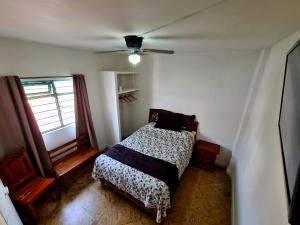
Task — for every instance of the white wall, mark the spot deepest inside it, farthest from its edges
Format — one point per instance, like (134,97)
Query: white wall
(55,138)
(145,83)
(32,59)
(257,166)
(211,85)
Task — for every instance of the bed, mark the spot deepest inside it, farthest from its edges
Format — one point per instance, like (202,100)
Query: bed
(146,167)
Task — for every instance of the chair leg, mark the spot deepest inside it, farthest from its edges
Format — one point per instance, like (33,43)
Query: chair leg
(33,212)
(62,184)
(56,193)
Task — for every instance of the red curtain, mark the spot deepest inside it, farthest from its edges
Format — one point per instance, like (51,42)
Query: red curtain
(18,127)
(84,123)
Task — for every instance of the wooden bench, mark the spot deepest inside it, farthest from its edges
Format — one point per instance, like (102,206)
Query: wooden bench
(71,156)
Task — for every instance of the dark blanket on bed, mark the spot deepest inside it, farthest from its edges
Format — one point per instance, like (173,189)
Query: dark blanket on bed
(160,169)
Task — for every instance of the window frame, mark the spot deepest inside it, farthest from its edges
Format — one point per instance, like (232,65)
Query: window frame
(51,93)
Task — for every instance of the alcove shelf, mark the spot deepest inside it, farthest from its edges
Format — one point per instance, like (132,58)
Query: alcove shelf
(125,72)
(118,115)
(128,91)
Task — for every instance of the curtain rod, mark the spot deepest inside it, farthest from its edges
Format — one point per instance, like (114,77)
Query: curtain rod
(23,78)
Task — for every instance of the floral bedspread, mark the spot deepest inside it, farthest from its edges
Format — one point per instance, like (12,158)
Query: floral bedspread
(171,146)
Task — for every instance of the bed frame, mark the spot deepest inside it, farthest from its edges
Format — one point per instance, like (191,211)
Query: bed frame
(151,211)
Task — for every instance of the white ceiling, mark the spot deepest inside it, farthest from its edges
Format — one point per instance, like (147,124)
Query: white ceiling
(101,24)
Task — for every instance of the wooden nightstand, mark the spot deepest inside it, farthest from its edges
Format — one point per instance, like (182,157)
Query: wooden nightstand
(205,154)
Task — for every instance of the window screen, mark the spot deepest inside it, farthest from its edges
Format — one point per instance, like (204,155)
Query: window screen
(52,102)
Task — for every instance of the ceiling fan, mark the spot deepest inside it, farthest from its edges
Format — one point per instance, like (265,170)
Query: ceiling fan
(134,42)
(134,45)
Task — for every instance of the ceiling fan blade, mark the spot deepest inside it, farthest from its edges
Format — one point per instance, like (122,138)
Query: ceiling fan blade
(159,51)
(111,51)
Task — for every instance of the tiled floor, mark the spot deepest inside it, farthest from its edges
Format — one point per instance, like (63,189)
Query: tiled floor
(203,198)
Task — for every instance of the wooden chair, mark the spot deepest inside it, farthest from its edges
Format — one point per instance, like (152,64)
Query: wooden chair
(18,174)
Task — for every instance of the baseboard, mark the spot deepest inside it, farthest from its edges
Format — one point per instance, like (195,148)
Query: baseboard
(231,173)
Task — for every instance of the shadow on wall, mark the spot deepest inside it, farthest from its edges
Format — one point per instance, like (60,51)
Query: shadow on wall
(223,158)
(145,84)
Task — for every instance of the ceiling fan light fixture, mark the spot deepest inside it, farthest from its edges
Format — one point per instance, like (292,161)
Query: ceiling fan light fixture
(134,47)
(134,58)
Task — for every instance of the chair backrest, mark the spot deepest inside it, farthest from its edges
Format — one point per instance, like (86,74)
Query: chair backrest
(16,169)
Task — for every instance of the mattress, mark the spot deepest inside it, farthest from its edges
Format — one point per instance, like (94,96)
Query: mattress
(171,146)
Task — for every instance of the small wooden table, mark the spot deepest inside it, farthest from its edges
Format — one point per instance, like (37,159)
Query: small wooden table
(205,154)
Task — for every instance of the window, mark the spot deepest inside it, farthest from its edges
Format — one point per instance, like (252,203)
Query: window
(52,102)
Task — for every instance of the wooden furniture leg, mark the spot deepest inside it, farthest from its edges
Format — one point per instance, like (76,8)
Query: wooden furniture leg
(32,212)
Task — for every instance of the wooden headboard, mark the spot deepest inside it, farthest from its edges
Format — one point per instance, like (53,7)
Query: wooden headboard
(153,117)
